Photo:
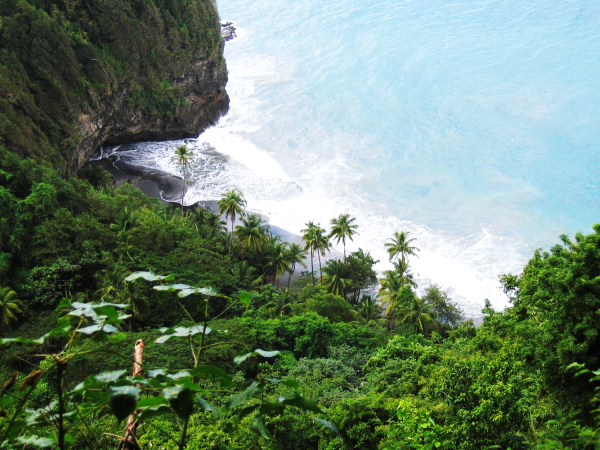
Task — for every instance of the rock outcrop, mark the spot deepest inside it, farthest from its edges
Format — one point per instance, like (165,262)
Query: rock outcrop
(114,122)
(78,75)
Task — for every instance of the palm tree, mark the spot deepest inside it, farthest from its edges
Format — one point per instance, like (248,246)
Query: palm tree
(369,309)
(389,291)
(110,284)
(277,261)
(294,255)
(402,271)
(231,205)
(246,274)
(337,278)
(10,306)
(322,245)
(309,237)
(183,157)
(418,315)
(342,228)
(253,233)
(99,177)
(283,302)
(134,296)
(401,245)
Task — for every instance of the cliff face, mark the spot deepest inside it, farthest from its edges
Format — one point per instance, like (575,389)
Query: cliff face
(77,75)
(115,122)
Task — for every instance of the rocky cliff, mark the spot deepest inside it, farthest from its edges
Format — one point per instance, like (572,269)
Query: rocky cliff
(77,75)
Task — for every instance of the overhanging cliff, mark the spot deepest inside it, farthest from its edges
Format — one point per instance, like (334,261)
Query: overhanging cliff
(78,74)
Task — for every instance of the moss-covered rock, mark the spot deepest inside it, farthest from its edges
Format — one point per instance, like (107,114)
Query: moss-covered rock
(78,74)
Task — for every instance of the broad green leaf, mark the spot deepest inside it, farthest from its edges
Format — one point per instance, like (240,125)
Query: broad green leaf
(207,406)
(336,430)
(157,372)
(123,400)
(173,287)
(291,383)
(22,340)
(90,330)
(64,303)
(118,337)
(243,396)
(152,401)
(260,424)
(181,332)
(109,377)
(178,375)
(154,411)
(148,276)
(266,354)
(181,400)
(244,298)
(36,441)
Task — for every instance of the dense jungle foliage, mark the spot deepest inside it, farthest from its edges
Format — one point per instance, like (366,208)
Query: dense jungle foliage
(371,359)
(60,59)
(126,323)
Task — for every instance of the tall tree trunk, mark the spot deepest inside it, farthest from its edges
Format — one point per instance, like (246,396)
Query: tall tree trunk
(231,240)
(183,192)
(129,442)
(320,269)
(290,277)
(312,268)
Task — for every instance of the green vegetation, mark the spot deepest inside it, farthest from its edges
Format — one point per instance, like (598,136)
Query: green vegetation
(238,361)
(232,348)
(60,60)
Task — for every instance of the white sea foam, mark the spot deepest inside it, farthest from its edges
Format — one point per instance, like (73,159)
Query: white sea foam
(365,113)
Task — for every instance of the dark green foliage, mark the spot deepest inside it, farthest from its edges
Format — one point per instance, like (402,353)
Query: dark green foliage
(62,59)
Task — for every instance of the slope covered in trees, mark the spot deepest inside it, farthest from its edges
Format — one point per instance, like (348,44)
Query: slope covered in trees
(383,366)
(241,340)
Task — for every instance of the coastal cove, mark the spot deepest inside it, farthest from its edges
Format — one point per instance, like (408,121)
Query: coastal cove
(377,245)
(470,164)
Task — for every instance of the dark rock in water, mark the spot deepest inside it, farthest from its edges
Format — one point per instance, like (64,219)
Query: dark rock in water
(228,31)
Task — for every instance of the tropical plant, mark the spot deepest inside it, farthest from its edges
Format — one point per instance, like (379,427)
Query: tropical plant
(231,205)
(183,157)
(401,245)
(417,315)
(402,271)
(369,309)
(252,234)
(246,275)
(99,177)
(448,315)
(322,246)
(282,303)
(337,278)
(294,255)
(360,266)
(343,227)
(389,292)
(135,297)
(277,261)
(10,306)
(309,236)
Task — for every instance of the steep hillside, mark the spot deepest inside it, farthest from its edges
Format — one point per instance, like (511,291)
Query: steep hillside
(78,74)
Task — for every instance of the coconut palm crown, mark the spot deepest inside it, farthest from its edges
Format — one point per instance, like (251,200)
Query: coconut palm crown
(343,228)
(10,306)
(401,245)
(231,205)
(183,157)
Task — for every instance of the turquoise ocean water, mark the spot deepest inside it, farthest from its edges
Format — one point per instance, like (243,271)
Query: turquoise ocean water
(473,124)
